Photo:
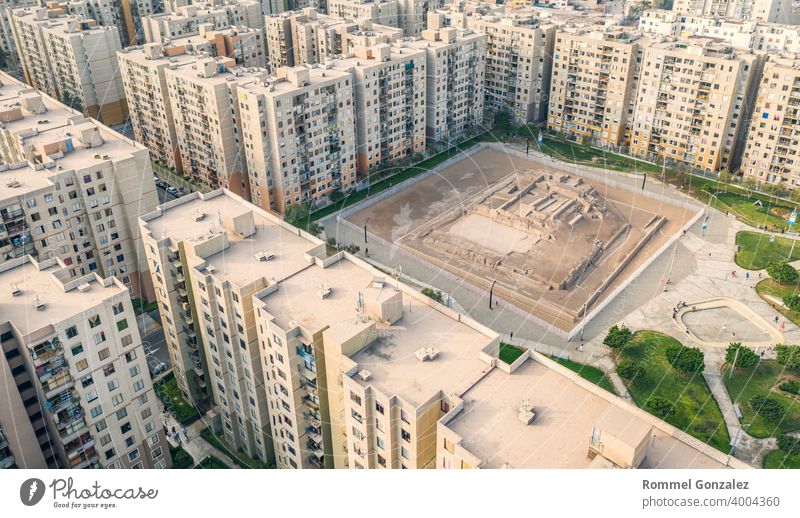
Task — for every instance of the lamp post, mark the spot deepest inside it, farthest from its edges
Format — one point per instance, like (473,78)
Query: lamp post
(365,230)
(491,295)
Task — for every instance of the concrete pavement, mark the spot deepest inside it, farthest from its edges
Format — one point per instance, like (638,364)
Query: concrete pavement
(196,446)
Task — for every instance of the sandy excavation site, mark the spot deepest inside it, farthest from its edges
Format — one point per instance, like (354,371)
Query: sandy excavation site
(557,243)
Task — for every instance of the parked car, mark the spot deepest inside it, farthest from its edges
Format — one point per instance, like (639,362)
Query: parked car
(172,190)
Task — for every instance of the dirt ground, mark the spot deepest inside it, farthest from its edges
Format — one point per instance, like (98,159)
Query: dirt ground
(425,203)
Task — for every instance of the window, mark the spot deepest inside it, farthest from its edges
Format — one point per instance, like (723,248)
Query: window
(117,400)
(76,350)
(104,354)
(94,321)
(81,365)
(379,442)
(134,454)
(138,385)
(133,371)
(109,369)
(122,413)
(125,428)
(72,332)
(379,408)
(122,324)
(96,411)
(99,338)
(126,340)
(91,396)
(405,435)
(113,385)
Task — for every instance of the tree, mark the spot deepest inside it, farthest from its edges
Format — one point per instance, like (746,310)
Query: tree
(746,357)
(315,229)
(618,337)
(789,444)
(790,387)
(528,131)
(631,371)
(767,407)
(792,302)
(504,121)
(658,406)
(788,355)
(296,213)
(353,249)
(332,241)
(433,294)
(685,359)
(782,272)
(336,196)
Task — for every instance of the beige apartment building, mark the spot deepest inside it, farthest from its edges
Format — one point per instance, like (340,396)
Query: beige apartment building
(455,64)
(203,98)
(593,83)
(187,19)
(390,103)
(73,353)
(693,101)
(412,15)
(298,131)
(72,59)
(778,11)
(770,153)
(71,188)
(384,12)
(278,33)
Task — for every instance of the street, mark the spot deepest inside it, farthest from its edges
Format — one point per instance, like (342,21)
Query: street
(153,342)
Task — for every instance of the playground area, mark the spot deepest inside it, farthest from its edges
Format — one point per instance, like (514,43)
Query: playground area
(553,243)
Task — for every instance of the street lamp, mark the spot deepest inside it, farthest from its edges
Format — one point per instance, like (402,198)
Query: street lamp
(365,230)
(491,295)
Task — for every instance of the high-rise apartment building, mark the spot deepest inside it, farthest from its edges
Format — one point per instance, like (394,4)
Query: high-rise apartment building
(72,59)
(186,20)
(278,32)
(384,12)
(298,131)
(390,102)
(455,64)
(693,103)
(71,188)
(76,360)
(205,109)
(778,11)
(593,83)
(771,150)
(412,15)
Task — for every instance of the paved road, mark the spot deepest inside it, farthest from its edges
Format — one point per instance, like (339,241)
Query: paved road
(154,343)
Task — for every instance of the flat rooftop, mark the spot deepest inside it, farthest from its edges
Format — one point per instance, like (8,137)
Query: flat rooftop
(317,76)
(559,436)
(41,286)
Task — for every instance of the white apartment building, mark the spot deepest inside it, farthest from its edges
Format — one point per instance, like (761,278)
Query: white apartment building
(593,83)
(770,153)
(298,131)
(390,95)
(778,11)
(455,64)
(72,59)
(278,32)
(204,107)
(7,44)
(693,103)
(412,15)
(71,188)
(186,20)
(383,12)
(76,361)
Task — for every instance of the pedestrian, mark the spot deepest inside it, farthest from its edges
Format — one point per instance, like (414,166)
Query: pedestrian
(173,431)
(776,319)
(186,433)
(511,335)
(694,308)
(747,275)
(759,275)
(581,347)
(674,314)
(177,437)
(733,334)
(783,326)
(762,353)
(724,327)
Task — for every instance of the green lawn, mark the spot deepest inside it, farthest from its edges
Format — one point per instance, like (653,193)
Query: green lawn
(778,459)
(585,155)
(237,458)
(211,462)
(695,410)
(180,459)
(778,290)
(140,307)
(760,380)
(770,213)
(509,353)
(756,252)
(589,373)
(169,393)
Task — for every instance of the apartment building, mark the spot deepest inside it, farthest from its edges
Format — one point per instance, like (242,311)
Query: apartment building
(384,12)
(770,153)
(390,103)
(77,362)
(298,134)
(73,60)
(693,103)
(593,83)
(126,16)
(186,20)
(412,15)
(71,188)
(779,11)
(455,64)
(7,44)
(203,98)
(278,33)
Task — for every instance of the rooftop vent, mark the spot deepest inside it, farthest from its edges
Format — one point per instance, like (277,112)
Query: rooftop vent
(198,215)
(210,269)
(38,304)
(264,255)
(13,183)
(83,288)
(526,414)
(15,291)
(325,291)
(364,374)
(425,354)
(377,282)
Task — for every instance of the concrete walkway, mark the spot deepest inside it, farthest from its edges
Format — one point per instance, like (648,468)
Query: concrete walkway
(196,446)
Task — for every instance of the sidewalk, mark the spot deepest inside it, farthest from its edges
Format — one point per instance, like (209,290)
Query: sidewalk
(196,446)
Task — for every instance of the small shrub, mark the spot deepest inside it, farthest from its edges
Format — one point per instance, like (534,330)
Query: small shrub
(746,357)
(788,444)
(768,408)
(792,302)
(685,359)
(434,294)
(659,407)
(791,386)
(630,371)
(782,272)
(618,337)
(788,355)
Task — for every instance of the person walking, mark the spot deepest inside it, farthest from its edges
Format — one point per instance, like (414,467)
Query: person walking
(186,433)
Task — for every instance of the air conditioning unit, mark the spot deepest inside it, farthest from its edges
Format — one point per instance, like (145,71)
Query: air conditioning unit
(83,288)
(210,269)
(198,215)
(264,255)
(13,183)
(15,291)
(38,304)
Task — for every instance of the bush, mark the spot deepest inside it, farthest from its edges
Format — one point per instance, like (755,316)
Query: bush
(788,444)
(631,371)
(686,359)
(782,272)
(792,302)
(788,355)
(352,249)
(746,357)
(768,408)
(433,294)
(618,337)
(791,386)
(659,407)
